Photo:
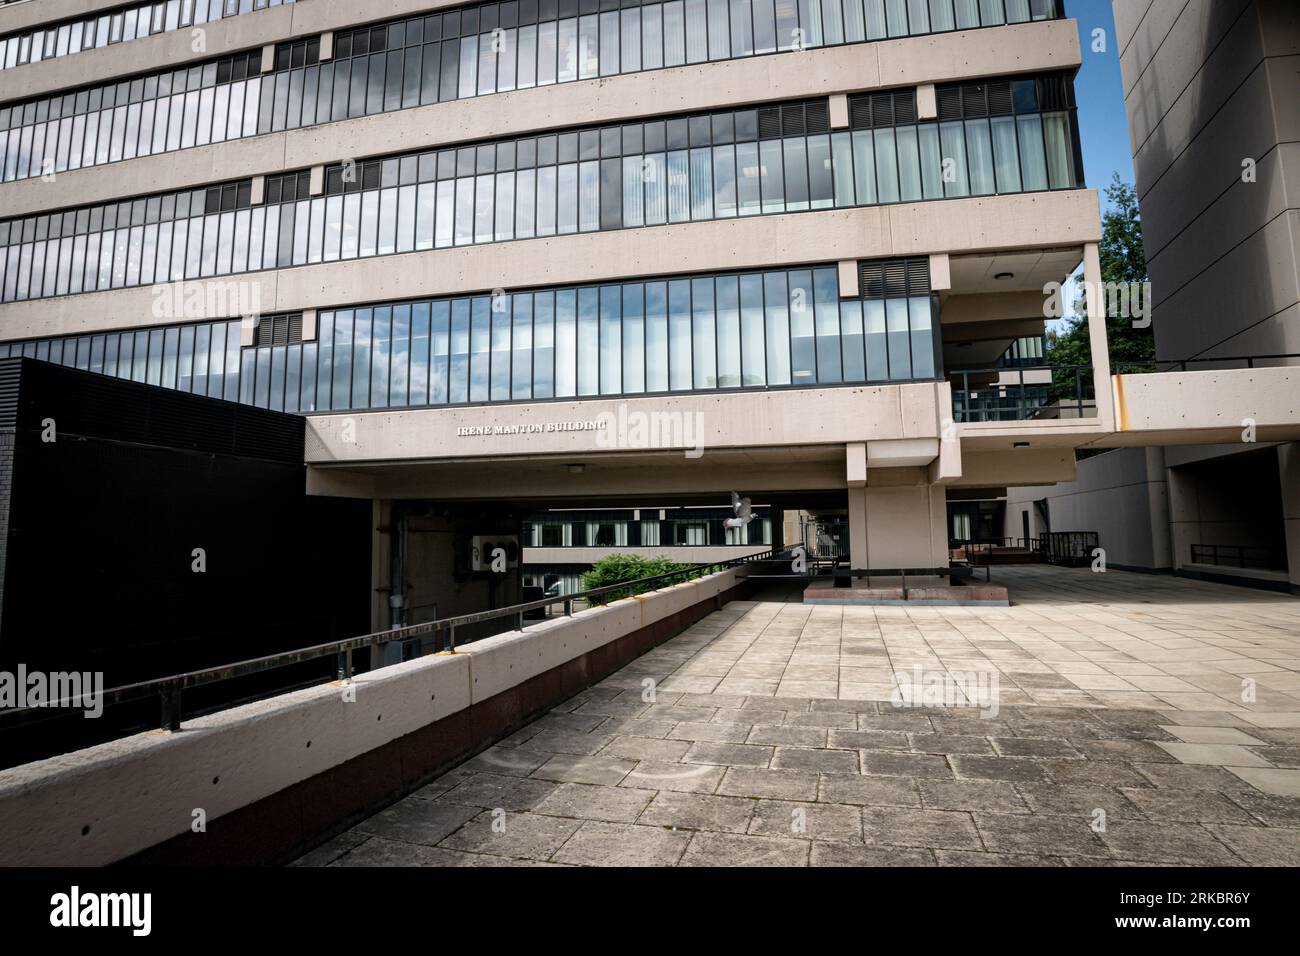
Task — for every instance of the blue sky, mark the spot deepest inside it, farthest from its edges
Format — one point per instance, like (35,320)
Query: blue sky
(1103,123)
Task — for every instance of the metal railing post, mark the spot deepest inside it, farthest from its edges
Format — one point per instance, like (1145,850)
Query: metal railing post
(171,707)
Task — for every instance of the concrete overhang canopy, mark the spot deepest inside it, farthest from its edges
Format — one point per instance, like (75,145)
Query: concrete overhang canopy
(902,453)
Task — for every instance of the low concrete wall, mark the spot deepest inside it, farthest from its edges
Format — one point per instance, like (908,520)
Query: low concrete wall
(275,776)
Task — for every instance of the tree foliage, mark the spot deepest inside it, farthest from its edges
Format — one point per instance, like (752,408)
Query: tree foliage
(617,568)
(1122,261)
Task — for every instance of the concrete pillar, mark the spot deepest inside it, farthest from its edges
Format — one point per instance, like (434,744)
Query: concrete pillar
(1288,462)
(1157,485)
(927,103)
(899,520)
(1097,336)
(381,517)
(839,109)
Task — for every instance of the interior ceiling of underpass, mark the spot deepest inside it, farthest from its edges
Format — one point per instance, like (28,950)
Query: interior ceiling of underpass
(1029,269)
(978,327)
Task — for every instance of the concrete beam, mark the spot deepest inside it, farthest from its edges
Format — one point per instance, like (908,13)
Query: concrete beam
(965,225)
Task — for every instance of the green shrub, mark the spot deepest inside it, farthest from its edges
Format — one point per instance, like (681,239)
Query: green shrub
(629,567)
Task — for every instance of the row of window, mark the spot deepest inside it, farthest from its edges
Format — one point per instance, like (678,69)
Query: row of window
(120,26)
(751,330)
(49,255)
(686,527)
(201,359)
(375,71)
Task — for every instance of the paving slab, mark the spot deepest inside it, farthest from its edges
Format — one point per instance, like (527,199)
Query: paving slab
(763,745)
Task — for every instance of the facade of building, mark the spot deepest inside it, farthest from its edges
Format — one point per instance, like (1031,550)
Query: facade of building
(1213,93)
(539,254)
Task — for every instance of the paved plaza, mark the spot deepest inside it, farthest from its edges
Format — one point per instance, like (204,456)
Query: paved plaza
(1101,720)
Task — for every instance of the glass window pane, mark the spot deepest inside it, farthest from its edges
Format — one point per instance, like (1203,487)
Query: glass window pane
(502,317)
(633,338)
(980,157)
(842,163)
(826,290)
(1060,150)
(704,334)
(753,350)
(588,342)
(955,182)
(439,352)
(886,166)
(480,348)
(566,343)
(851,340)
(611,340)
(727,297)
(896,329)
(656,336)
(679,335)
(873,318)
(1033,166)
(803,346)
(922,337)
(458,379)
(543,345)
(419,374)
(821,192)
(1005,159)
(776,297)
(521,344)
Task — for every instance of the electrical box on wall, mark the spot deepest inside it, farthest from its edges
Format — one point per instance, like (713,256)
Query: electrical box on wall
(482,549)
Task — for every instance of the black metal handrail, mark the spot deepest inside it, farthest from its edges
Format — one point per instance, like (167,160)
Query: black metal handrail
(1181,365)
(818,575)
(1070,389)
(1246,557)
(170,689)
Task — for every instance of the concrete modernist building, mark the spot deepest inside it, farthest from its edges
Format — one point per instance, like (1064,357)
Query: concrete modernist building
(1213,95)
(572,253)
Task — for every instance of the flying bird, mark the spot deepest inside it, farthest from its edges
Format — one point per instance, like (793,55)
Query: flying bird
(741,509)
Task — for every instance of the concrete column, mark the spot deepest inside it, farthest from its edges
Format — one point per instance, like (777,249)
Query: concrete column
(1157,485)
(1288,462)
(848,276)
(899,520)
(1097,337)
(381,517)
(859,558)
(839,108)
(927,103)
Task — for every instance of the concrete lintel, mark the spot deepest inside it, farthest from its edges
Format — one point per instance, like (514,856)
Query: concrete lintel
(268,58)
(309,325)
(327,46)
(257,195)
(316,187)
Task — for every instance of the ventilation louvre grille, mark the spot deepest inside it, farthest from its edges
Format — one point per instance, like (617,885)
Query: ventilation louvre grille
(894,278)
